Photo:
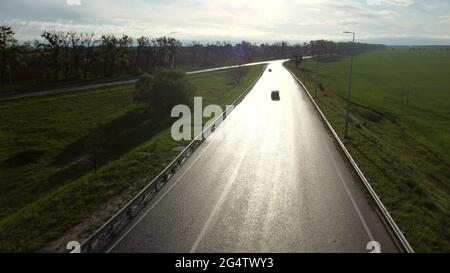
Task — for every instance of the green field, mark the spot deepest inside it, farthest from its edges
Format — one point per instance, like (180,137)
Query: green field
(48,185)
(399,132)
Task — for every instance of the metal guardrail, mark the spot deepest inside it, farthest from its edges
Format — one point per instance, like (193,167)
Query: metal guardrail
(400,237)
(109,231)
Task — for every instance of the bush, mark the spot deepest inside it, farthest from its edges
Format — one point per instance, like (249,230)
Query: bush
(237,73)
(164,89)
(321,87)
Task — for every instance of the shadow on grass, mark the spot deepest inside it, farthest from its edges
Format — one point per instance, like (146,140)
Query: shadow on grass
(331,59)
(370,160)
(115,139)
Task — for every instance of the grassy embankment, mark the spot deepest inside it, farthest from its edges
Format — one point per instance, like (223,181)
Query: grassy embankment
(48,182)
(400,138)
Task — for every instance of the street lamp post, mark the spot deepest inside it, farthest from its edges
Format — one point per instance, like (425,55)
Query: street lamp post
(349,95)
(317,77)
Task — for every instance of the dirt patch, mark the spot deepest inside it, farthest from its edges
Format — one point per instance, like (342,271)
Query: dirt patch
(178,148)
(82,231)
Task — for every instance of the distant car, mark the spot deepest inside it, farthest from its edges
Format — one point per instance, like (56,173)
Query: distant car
(275,95)
(270,69)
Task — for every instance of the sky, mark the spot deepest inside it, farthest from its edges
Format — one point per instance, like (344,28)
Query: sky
(409,22)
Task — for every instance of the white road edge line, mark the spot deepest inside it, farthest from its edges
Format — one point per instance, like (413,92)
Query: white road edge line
(350,196)
(218,205)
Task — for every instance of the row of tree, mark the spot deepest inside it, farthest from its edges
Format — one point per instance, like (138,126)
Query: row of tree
(74,56)
(70,56)
(9,52)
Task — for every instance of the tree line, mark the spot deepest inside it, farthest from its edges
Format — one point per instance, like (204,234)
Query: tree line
(70,56)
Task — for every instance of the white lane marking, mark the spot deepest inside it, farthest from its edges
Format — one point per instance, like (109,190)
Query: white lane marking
(225,191)
(219,204)
(350,196)
(158,200)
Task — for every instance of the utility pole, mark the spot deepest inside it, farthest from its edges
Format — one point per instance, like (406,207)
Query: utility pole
(407,96)
(317,77)
(349,95)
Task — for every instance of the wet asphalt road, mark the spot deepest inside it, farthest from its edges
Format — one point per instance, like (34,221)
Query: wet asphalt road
(270,179)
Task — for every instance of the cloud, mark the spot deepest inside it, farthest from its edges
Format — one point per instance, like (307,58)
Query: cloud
(444,18)
(256,20)
(391,2)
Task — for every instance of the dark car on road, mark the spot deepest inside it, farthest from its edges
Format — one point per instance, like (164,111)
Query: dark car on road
(275,95)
